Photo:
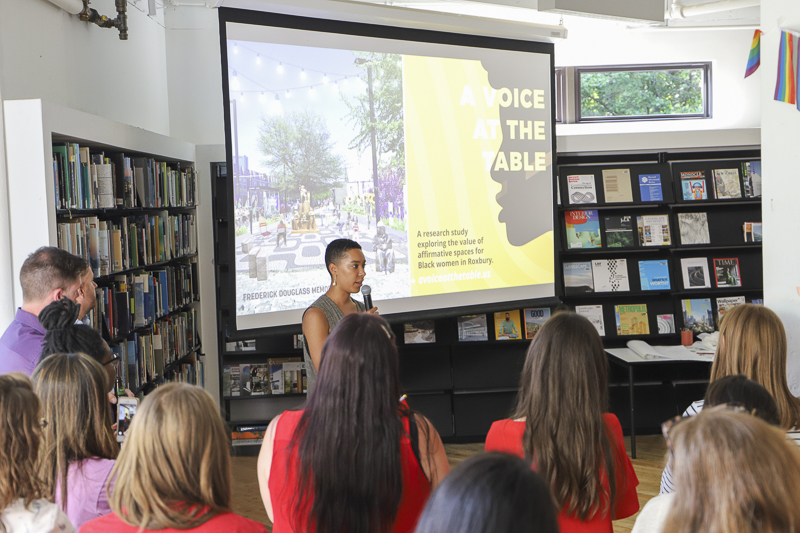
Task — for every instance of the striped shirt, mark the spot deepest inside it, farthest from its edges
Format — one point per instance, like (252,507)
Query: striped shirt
(667,484)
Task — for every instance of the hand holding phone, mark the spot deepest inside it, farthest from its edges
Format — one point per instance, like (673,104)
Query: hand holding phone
(126,408)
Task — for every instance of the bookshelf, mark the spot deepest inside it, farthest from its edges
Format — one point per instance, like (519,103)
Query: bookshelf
(126,200)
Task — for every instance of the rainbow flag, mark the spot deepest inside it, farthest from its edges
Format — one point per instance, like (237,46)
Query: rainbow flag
(785,88)
(754,60)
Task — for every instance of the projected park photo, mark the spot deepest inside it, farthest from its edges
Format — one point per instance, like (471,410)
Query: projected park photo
(436,160)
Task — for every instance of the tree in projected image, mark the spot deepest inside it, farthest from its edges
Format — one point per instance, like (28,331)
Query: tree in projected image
(641,93)
(298,149)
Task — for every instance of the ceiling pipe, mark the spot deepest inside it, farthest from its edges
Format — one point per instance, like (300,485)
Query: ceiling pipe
(74,7)
(679,11)
(87,14)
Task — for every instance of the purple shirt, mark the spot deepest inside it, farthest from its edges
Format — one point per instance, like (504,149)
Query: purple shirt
(21,344)
(86,490)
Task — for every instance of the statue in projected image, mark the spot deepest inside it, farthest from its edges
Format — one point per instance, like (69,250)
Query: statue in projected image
(526,198)
(305,221)
(384,253)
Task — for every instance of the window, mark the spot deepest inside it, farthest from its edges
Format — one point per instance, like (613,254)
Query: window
(643,92)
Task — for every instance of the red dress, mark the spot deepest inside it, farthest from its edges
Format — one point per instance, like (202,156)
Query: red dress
(506,436)
(228,522)
(416,487)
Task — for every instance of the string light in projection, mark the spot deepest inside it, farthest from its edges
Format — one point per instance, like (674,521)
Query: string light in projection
(235,81)
(262,97)
(258,59)
(302,73)
(325,79)
(235,48)
(287,94)
(280,68)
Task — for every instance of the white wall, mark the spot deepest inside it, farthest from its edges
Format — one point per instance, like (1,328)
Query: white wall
(780,129)
(47,53)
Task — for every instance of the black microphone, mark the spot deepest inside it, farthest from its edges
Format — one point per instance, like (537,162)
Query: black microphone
(366,290)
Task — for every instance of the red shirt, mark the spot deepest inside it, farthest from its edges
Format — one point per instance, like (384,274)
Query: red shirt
(227,522)
(283,479)
(506,436)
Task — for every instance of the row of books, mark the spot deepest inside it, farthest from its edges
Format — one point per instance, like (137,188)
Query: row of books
(128,242)
(88,179)
(285,375)
(611,275)
(633,319)
(248,435)
(192,372)
(145,354)
(583,230)
(723,183)
(131,301)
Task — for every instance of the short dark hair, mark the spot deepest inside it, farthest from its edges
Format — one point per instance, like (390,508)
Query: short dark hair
(47,269)
(336,250)
(739,390)
(63,335)
(492,492)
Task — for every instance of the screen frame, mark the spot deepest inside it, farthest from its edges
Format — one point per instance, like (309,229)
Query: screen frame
(227,302)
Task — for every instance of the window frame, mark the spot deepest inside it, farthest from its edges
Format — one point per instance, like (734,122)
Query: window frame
(560,89)
(706,89)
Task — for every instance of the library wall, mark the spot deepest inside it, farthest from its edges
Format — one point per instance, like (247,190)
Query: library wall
(47,53)
(780,130)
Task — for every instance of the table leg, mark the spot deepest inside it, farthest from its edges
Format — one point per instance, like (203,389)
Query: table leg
(633,421)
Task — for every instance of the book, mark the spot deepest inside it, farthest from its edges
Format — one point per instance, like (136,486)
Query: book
(226,381)
(695,273)
(259,379)
(693,185)
(694,228)
(583,229)
(666,324)
(534,320)
(235,383)
(752,231)
(619,231)
(751,170)
(650,188)
(617,185)
(246,386)
(654,275)
(298,340)
(653,230)
(726,271)
(610,275)
(581,190)
(726,183)
(277,381)
(507,325)
(632,319)
(594,313)
(726,304)
(697,315)
(292,377)
(419,332)
(472,328)
(578,277)
(757,301)
(639,349)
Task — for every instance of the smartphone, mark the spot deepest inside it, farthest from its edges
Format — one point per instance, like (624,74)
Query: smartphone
(126,408)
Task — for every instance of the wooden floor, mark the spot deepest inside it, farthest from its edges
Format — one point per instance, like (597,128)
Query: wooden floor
(649,463)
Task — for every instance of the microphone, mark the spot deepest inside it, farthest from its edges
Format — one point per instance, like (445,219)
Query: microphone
(366,290)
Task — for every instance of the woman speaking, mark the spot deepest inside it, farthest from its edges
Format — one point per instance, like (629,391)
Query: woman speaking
(345,262)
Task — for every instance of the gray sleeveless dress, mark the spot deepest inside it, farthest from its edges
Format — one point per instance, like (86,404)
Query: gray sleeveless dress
(334,315)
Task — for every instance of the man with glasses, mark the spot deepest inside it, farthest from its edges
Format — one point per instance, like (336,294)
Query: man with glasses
(47,275)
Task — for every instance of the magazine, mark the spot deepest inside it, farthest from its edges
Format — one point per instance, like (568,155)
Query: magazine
(594,313)
(653,230)
(632,319)
(726,304)
(695,273)
(419,332)
(610,275)
(693,185)
(472,328)
(534,320)
(583,229)
(578,277)
(650,187)
(726,183)
(694,228)
(727,272)
(752,178)
(507,325)
(617,185)
(619,231)
(666,324)
(654,275)
(581,190)
(697,315)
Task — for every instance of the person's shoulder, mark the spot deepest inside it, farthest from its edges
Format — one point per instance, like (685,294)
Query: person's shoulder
(505,436)
(106,523)
(653,515)
(695,408)
(40,515)
(233,523)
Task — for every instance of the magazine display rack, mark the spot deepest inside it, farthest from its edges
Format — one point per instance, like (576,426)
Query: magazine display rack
(124,199)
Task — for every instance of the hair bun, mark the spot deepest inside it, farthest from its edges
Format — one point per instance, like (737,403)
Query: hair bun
(60,314)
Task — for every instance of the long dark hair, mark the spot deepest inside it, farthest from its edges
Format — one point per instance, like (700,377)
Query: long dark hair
(347,444)
(491,493)
(63,335)
(563,395)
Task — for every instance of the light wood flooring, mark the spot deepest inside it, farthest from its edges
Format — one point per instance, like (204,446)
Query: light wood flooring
(649,463)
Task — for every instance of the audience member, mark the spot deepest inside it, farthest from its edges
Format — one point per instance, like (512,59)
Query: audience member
(356,459)
(23,504)
(561,422)
(752,342)
(734,473)
(734,391)
(491,493)
(47,275)
(79,445)
(174,471)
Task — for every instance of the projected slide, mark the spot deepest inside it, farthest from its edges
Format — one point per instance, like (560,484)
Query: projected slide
(435,158)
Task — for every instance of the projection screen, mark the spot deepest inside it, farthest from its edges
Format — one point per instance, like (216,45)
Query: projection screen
(434,151)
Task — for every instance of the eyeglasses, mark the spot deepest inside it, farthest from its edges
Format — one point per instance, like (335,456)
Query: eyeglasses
(667,426)
(114,359)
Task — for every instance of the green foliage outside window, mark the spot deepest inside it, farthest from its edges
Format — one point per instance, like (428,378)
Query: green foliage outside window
(642,93)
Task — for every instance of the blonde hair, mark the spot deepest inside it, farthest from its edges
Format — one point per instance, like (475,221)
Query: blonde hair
(734,473)
(73,389)
(20,434)
(174,470)
(753,343)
